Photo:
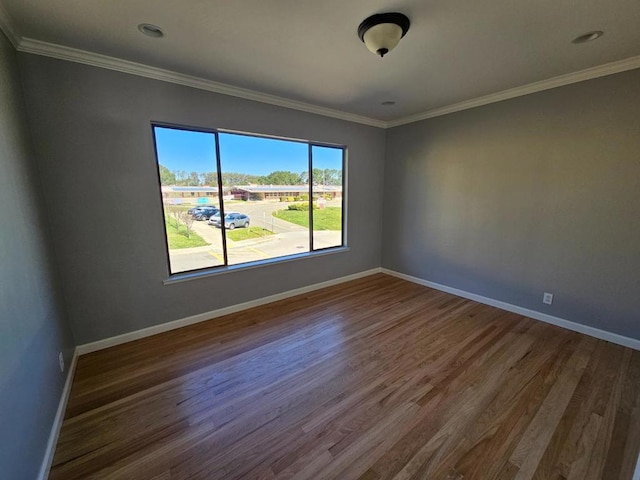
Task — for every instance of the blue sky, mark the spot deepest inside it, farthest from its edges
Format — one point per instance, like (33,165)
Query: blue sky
(195,152)
(326,157)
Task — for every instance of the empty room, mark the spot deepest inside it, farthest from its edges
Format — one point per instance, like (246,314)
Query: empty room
(319,240)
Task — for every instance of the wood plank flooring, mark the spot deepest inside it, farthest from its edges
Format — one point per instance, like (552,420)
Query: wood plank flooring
(373,379)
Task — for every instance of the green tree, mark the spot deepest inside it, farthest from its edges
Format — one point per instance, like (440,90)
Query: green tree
(209,178)
(327,176)
(181,177)
(167,177)
(318,176)
(193,180)
(281,177)
(334,177)
(235,178)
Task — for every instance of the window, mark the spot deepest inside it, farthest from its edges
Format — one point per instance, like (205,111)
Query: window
(230,198)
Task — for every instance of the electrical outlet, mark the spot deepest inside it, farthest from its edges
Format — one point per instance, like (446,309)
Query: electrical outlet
(61,361)
(547,298)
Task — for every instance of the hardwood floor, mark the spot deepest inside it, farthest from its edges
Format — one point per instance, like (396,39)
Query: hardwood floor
(374,379)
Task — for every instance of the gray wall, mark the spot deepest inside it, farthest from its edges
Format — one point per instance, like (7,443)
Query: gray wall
(531,195)
(92,134)
(32,327)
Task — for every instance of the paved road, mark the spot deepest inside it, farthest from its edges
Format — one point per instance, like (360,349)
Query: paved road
(277,245)
(261,215)
(288,240)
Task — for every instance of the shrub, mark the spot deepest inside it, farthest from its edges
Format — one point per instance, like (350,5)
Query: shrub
(299,206)
(302,207)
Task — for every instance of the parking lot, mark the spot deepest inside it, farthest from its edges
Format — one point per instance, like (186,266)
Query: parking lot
(288,239)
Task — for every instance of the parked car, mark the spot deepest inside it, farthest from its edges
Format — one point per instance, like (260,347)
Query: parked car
(231,220)
(194,210)
(215,219)
(205,213)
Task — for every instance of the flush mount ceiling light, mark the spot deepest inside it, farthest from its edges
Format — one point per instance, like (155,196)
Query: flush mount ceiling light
(151,30)
(588,37)
(382,32)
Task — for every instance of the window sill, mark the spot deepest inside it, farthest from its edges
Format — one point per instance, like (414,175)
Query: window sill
(194,275)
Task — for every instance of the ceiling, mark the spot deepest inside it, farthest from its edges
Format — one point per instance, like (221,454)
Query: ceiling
(308,50)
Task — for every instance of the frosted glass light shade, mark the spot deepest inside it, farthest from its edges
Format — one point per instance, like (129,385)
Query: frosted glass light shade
(382,32)
(381,39)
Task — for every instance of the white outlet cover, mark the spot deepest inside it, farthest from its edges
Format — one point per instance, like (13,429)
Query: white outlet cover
(547,298)
(61,361)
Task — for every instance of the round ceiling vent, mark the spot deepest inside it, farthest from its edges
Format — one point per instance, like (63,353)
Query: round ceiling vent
(151,30)
(588,37)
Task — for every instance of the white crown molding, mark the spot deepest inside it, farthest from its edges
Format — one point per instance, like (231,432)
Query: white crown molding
(560,81)
(62,52)
(38,47)
(7,26)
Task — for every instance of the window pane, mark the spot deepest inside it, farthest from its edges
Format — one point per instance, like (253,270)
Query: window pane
(189,184)
(269,214)
(327,196)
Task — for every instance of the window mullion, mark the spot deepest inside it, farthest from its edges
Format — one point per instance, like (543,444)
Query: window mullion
(221,200)
(310,177)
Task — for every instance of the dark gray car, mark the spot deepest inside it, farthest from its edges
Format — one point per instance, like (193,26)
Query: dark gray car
(205,213)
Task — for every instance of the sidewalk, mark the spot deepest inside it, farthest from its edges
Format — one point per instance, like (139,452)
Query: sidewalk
(272,246)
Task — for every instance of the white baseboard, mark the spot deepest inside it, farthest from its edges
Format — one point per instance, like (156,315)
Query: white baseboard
(57,421)
(560,322)
(201,317)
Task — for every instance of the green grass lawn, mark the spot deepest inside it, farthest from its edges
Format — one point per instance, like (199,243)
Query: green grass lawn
(329,218)
(246,233)
(178,238)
